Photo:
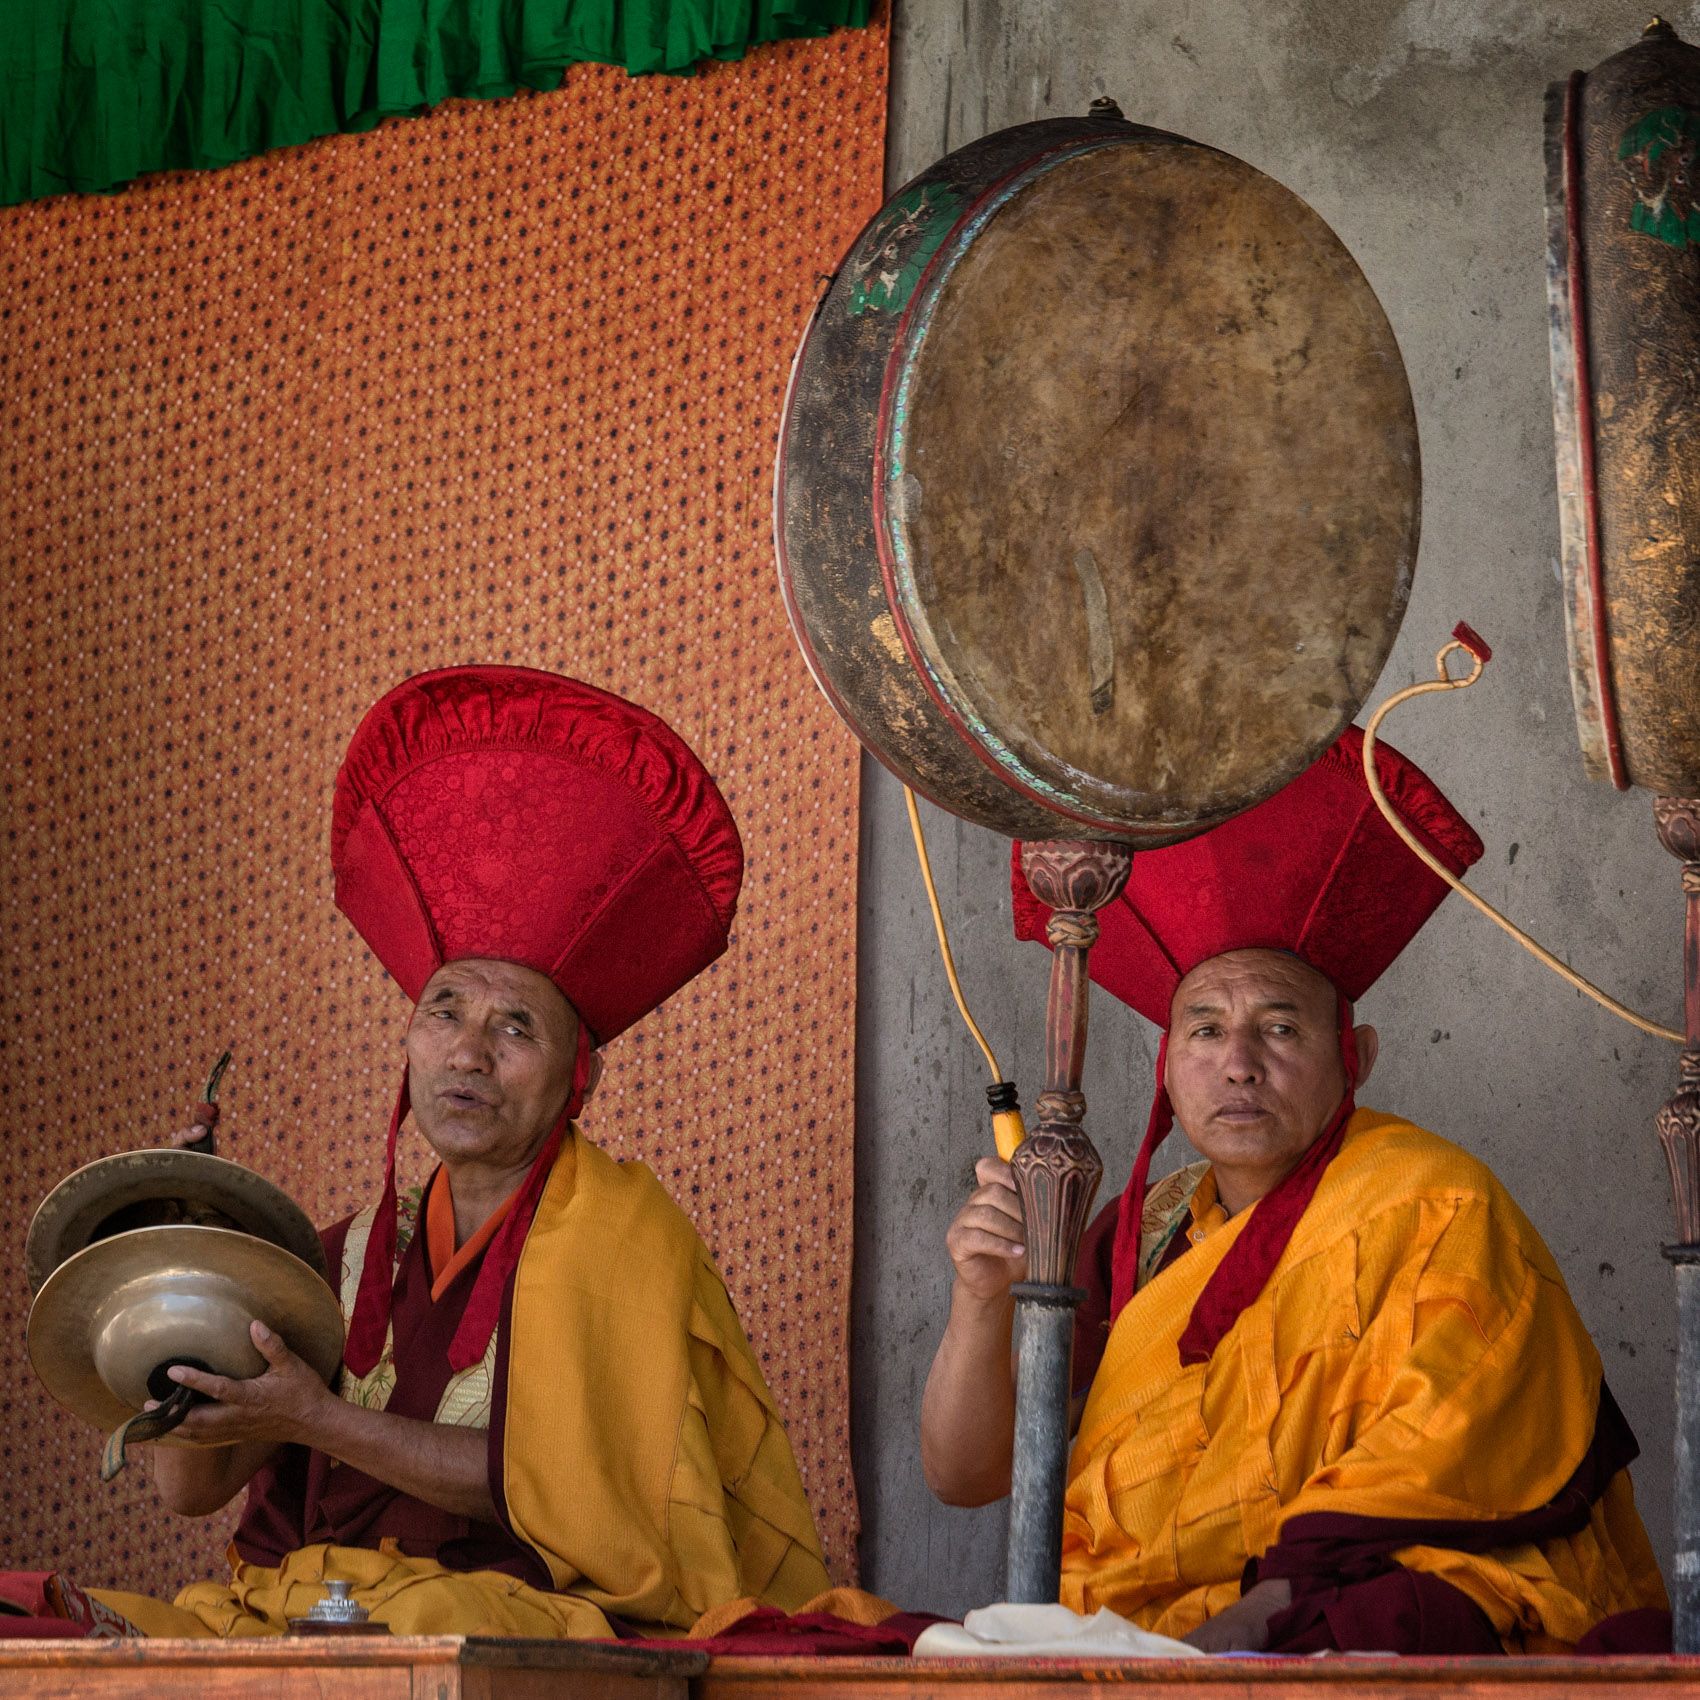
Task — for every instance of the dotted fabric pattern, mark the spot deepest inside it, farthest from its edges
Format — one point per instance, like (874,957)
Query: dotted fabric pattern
(501,383)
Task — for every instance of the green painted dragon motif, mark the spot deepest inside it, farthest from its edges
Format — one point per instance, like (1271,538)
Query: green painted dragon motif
(1660,153)
(885,280)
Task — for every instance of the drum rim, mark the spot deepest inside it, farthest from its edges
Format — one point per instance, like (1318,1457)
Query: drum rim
(987,747)
(781,550)
(787,595)
(1146,833)
(1587,638)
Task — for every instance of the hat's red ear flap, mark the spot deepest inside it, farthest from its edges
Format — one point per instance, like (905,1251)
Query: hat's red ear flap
(375,890)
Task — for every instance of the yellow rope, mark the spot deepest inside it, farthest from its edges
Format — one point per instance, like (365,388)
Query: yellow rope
(938,927)
(1446,682)
(1007,1127)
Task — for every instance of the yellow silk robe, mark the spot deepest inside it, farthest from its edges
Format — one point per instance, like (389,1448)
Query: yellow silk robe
(1413,1355)
(643,1458)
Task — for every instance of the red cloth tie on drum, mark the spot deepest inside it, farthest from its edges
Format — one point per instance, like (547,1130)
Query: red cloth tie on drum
(369,1327)
(1473,641)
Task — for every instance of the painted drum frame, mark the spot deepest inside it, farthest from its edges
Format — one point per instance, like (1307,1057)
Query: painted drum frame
(947,768)
(1623,289)
(897,570)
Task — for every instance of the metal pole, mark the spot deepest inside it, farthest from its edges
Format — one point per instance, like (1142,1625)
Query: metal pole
(1685,1569)
(1044,1322)
(1678,821)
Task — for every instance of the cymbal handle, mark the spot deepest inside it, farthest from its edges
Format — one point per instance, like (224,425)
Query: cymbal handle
(162,1387)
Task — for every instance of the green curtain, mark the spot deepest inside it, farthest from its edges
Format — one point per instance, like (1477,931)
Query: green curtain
(95,92)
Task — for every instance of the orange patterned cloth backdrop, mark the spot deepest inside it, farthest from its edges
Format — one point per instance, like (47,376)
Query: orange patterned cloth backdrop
(497,384)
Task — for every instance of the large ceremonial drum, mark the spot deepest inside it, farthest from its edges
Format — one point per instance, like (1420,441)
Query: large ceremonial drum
(1623,270)
(1097,497)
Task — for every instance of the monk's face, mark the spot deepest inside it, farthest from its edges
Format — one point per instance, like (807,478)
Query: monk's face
(490,1053)
(1254,1068)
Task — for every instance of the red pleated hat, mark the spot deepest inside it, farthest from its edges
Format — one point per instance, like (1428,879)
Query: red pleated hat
(508,813)
(1315,870)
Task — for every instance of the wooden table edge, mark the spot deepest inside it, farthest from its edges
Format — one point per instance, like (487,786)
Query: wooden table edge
(356,1652)
(1451,1674)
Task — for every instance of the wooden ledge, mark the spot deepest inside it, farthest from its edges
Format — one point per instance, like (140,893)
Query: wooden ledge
(350,1667)
(1335,1678)
(359,1651)
(451,1667)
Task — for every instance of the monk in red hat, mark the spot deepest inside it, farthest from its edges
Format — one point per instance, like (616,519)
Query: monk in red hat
(548,1419)
(1333,1391)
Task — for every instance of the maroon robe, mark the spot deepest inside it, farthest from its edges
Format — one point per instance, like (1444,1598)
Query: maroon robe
(302,1497)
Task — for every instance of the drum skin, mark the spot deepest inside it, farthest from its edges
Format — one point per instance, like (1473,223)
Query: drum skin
(1623,251)
(1098,492)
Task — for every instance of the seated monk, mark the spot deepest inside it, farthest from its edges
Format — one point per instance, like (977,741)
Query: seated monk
(1335,1394)
(548,1420)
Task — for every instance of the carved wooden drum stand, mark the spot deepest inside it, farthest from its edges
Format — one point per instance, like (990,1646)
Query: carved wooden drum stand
(1096,509)
(1623,270)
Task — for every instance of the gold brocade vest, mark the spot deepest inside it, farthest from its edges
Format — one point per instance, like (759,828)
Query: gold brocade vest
(465,1402)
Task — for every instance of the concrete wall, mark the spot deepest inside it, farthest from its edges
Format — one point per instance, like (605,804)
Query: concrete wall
(1414,128)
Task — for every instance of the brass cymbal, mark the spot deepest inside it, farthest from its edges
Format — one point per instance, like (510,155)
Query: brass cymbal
(137,1189)
(115,1313)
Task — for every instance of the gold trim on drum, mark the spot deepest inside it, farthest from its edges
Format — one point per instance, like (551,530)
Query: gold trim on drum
(94,1201)
(110,1315)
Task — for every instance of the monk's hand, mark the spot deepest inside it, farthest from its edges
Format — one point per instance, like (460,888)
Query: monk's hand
(285,1404)
(988,1241)
(185,1137)
(1244,1626)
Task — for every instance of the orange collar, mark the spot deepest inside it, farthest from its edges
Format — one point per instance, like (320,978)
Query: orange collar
(447,1259)
(1206,1208)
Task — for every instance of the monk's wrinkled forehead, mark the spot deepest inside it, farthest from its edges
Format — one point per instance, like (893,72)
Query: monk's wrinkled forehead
(1254,979)
(518,989)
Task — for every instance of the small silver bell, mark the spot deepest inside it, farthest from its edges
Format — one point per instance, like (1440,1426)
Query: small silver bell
(338,1605)
(337,1613)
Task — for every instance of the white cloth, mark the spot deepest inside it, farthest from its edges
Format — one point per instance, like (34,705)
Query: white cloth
(1046,1632)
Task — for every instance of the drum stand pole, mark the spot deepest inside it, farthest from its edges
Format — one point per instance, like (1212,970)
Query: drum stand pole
(1056,1171)
(1678,820)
